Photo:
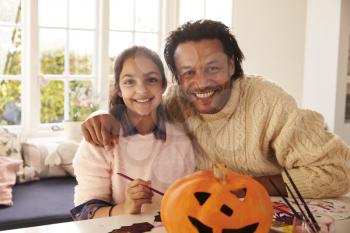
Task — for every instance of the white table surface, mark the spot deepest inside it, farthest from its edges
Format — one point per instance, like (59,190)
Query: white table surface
(101,225)
(105,225)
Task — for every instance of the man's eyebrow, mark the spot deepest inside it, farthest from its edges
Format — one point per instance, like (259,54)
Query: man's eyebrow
(213,61)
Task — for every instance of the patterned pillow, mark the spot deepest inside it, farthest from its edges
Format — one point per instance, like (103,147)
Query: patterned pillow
(34,155)
(10,145)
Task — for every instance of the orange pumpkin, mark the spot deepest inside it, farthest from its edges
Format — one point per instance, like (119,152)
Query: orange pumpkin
(205,203)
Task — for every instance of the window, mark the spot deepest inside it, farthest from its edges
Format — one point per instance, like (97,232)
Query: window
(56,56)
(133,22)
(67,36)
(10,62)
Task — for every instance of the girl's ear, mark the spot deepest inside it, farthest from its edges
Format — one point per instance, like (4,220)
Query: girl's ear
(119,93)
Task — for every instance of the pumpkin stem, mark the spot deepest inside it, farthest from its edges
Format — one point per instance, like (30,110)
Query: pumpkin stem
(220,170)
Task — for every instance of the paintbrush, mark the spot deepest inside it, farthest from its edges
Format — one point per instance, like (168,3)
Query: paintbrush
(131,179)
(311,216)
(285,200)
(296,214)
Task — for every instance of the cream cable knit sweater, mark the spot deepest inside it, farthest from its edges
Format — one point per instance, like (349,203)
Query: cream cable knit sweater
(260,130)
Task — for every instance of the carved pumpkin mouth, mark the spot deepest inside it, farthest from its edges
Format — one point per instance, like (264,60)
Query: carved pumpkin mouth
(202,228)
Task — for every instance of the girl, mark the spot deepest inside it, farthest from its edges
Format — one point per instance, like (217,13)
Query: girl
(150,150)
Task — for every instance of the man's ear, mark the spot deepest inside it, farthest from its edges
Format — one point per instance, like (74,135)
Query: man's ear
(232,67)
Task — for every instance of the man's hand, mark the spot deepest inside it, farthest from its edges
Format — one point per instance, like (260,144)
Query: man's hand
(137,194)
(101,130)
(277,179)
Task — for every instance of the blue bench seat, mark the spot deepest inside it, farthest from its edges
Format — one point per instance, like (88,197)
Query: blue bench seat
(45,201)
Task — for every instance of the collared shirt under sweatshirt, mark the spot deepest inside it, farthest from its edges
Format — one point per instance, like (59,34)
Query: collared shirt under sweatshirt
(137,156)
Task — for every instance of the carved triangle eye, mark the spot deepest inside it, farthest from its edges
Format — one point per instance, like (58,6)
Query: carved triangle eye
(240,193)
(202,197)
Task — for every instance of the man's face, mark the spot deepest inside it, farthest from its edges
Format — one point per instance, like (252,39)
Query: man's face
(204,72)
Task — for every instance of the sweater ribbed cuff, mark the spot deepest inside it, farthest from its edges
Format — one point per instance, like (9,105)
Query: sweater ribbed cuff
(301,181)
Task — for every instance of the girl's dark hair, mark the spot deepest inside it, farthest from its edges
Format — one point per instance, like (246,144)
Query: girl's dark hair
(199,30)
(116,103)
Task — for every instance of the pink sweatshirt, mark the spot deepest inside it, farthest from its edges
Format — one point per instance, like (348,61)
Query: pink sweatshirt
(137,156)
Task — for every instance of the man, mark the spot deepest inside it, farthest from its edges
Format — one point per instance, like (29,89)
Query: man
(246,122)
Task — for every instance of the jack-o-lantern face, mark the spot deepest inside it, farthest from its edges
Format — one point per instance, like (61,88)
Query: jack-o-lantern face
(202,203)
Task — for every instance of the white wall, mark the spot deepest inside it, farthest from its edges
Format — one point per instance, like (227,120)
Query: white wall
(321,57)
(325,77)
(343,77)
(271,34)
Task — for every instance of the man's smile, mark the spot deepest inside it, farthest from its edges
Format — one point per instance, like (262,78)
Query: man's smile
(203,95)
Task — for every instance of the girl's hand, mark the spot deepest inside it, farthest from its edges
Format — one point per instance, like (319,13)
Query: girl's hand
(137,193)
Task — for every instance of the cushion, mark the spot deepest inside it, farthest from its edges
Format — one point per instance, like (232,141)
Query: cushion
(39,202)
(63,156)
(8,170)
(34,155)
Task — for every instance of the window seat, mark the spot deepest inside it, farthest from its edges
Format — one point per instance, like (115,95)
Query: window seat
(40,202)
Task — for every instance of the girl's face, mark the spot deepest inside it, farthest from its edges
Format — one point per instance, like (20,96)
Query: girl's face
(140,85)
